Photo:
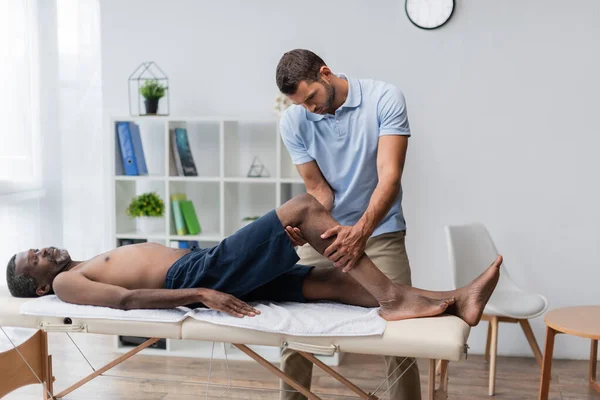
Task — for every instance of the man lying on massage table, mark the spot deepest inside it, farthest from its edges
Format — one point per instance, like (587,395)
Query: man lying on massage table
(258,262)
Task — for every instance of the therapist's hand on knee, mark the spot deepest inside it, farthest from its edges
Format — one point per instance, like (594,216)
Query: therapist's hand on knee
(347,248)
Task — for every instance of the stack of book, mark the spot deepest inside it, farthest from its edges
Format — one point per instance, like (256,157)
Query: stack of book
(129,150)
(182,160)
(184,215)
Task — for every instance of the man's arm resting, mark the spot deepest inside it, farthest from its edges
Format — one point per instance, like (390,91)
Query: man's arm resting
(75,288)
(315,183)
(391,155)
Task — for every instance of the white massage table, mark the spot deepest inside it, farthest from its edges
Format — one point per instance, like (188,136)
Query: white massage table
(440,338)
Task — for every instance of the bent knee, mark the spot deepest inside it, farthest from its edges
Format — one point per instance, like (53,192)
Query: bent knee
(309,203)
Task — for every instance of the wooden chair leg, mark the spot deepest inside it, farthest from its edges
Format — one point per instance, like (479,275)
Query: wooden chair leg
(487,343)
(531,339)
(547,365)
(593,360)
(493,352)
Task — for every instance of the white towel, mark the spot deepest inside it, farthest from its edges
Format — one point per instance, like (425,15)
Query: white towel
(303,319)
(52,306)
(300,319)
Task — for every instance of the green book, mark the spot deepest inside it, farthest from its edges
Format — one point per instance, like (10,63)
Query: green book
(176,200)
(190,217)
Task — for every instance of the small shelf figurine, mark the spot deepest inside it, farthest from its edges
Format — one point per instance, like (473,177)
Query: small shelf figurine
(257,169)
(149,82)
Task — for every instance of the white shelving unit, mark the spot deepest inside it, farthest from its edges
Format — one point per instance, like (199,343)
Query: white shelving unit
(222,194)
(223,151)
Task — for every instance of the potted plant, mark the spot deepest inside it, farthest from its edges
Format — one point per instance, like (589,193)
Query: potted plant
(249,220)
(153,91)
(148,209)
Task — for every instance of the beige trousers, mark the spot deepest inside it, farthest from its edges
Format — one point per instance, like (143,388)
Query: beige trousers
(388,252)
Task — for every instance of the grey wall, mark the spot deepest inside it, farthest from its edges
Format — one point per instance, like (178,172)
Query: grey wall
(502,102)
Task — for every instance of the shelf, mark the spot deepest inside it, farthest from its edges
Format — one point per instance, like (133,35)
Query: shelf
(203,237)
(137,235)
(292,180)
(250,180)
(194,179)
(139,178)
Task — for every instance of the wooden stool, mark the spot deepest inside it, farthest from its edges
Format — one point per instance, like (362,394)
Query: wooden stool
(581,321)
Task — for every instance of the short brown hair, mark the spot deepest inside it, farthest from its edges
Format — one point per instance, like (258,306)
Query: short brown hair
(296,66)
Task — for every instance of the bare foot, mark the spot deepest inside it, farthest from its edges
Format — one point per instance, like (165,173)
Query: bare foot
(471,299)
(411,305)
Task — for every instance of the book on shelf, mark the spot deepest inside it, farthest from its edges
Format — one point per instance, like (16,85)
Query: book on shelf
(184,215)
(130,149)
(183,244)
(178,220)
(190,217)
(182,153)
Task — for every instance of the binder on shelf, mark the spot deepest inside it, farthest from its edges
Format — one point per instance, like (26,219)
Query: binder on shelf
(180,226)
(126,146)
(138,148)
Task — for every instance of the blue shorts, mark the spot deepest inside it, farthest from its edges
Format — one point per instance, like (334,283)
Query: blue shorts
(258,262)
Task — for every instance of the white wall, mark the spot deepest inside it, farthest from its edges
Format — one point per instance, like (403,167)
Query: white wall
(502,102)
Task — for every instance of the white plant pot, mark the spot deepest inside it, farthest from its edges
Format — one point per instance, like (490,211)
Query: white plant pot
(149,225)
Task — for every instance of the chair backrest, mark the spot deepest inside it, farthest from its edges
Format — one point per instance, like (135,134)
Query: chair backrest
(471,250)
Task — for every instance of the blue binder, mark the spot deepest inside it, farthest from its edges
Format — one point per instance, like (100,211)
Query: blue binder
(127,152)
(138,148)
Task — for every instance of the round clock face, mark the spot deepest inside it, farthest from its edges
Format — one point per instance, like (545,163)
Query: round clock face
(429,14)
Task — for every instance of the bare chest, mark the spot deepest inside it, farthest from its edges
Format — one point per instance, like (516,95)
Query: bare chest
(133,267)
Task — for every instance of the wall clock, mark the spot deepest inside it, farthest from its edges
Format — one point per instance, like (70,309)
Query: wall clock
(429,14)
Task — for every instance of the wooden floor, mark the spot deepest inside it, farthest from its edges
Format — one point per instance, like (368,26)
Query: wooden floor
(517,378)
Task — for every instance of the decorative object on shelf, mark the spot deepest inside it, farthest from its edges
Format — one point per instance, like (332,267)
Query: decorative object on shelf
(148,210)
(249,220)
(281,104)
(427,14)
(148,81)
(258,169)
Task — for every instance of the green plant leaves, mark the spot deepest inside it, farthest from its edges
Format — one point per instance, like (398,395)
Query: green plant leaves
(146,205)
(152,89)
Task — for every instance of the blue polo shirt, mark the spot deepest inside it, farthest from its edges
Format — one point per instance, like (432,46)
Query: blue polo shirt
(344,146)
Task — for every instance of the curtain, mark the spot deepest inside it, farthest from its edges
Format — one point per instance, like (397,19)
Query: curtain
(20,161)
(84,204)
(52,180)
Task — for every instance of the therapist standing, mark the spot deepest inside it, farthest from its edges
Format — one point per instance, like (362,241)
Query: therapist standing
(348,138)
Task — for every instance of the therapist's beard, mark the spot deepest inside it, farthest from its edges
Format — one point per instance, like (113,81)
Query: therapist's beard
(330,91)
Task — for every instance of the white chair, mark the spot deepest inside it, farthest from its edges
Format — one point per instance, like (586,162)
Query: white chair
(471,250)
